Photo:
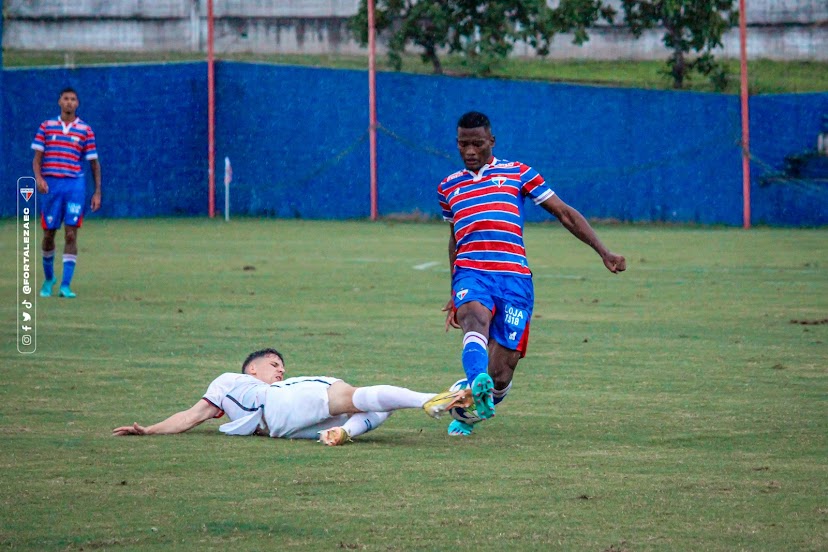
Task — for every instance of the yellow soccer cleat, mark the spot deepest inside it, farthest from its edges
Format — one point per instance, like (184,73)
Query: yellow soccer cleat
(334,436)
(445,401)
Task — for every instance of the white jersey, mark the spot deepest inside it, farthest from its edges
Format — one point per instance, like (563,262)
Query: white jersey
(281,409)
(236,395)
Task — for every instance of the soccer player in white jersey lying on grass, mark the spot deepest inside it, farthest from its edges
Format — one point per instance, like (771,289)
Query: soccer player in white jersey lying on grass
(259,401)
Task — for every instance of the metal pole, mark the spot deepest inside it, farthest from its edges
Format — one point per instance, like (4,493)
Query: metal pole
(745,116)
(211,112)
(372,107)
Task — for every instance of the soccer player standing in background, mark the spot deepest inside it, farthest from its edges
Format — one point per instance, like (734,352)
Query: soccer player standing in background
(59,145)
(492,295)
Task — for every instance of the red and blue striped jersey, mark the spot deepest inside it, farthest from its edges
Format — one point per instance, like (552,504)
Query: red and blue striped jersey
(63,145)
(487,211)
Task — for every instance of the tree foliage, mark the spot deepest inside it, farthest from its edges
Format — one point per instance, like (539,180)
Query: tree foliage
(696,25)
(482,32)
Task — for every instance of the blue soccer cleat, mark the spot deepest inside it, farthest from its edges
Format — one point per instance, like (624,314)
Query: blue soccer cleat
(482,388)
(460,429)
(66,292)
(46,288)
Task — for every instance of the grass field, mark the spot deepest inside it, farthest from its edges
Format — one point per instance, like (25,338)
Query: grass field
(679,406)
(765,76)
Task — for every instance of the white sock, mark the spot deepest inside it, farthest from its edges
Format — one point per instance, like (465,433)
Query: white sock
(384,398)
(500,394)
(476,337)
(364,422)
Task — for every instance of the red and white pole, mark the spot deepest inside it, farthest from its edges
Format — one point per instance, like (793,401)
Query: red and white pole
(745,116)
(211,112)
(372,107)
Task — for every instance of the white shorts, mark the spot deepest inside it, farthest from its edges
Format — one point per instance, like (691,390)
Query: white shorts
(298,407)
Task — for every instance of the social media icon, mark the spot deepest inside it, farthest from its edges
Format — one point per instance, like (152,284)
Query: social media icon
(26,339)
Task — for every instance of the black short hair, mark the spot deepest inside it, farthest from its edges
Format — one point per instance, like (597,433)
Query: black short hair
(259,354)
(474,119)
(68,89)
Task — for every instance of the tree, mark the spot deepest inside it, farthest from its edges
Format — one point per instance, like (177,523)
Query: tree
(696,25)
(482,32)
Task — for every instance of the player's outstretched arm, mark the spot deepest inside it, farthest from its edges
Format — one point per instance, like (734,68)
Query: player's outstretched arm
(177,423)
(578,226)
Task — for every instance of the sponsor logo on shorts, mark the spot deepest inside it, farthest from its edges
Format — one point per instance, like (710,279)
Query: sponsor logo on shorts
(515,317)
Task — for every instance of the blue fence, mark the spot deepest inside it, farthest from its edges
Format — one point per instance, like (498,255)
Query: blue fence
(149,123)
(297,138)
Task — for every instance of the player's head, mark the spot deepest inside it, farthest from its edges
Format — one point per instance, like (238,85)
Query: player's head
(260,354)
(267,365)
(68,100)
(475,139)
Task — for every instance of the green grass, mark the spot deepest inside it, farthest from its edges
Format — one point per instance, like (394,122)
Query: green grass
(674,407)
(765,76)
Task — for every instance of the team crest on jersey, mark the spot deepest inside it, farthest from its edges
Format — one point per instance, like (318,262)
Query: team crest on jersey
(460,294)
(499,181)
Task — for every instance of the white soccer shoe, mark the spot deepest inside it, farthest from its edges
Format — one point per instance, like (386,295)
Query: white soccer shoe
(334,436)
(445,401)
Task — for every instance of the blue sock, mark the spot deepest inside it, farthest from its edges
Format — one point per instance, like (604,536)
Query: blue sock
(475,355)
(49,265)
(68,269)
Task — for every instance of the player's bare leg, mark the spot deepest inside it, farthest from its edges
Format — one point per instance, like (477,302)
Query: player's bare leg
(502,365)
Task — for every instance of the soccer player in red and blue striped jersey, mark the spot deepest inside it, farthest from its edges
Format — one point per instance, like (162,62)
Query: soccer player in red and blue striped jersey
(492,292)
(60,145)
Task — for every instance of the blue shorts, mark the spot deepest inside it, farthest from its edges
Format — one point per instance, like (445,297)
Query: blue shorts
(510,298)
(64,202)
